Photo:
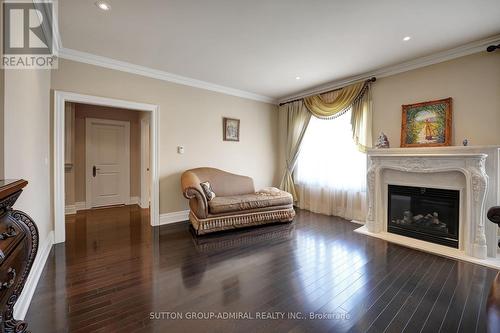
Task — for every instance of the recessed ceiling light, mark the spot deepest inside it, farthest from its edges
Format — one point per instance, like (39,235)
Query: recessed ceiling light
(297,78)
(103,5)
(407,38)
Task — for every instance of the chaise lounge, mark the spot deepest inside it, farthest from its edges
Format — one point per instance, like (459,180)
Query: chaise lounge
(236,204)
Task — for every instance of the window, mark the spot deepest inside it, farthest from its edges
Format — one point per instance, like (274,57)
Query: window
(331,172)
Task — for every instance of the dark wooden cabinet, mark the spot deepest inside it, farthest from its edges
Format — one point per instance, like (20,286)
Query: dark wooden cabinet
(18,248)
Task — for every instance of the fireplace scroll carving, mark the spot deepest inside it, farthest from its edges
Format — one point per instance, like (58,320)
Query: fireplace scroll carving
(472,166)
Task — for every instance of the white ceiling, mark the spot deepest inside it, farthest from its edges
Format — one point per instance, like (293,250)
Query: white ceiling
(260,46)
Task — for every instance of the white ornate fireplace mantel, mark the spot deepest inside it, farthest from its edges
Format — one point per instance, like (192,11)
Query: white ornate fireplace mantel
(473,170)
(471,165)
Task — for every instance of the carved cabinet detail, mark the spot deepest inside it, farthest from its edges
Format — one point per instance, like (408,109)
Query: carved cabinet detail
(18,248)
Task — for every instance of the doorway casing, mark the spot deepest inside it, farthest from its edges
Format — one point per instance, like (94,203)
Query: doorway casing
(60,98)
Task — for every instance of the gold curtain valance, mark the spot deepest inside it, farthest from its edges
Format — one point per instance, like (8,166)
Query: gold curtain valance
(358,97)
(346,97)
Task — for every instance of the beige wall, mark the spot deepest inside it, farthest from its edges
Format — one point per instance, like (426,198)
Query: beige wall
(474,84)
(27,142)
(83,111)
(193,117)
(190,117)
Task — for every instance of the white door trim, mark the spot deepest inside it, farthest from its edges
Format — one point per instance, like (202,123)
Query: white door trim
(60,98)
(145,181)
(125,191)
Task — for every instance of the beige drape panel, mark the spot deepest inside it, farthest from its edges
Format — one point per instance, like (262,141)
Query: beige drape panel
(361,120)
(295,119)
(356,96)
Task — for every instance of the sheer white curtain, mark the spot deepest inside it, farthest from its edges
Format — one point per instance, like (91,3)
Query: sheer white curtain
(331,172)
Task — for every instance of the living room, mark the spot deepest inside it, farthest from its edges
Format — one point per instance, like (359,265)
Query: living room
(326,166)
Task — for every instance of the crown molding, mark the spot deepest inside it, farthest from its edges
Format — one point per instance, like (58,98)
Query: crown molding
(92,59)
(123,66)
(457,52)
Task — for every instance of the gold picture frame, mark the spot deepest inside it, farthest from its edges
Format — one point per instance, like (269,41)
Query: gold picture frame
(427,124)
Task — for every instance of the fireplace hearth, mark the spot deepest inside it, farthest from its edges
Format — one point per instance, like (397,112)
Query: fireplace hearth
(429,214)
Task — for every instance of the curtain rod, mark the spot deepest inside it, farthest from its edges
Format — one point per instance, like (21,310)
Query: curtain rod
(372,79)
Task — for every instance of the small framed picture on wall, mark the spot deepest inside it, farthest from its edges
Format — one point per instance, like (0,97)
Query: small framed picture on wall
(231,129)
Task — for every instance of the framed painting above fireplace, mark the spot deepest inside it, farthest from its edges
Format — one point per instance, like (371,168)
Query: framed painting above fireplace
(427,124)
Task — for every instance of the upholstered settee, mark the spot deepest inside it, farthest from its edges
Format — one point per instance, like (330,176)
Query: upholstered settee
(236,203)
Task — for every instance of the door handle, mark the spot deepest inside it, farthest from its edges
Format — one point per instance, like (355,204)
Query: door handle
(94,171)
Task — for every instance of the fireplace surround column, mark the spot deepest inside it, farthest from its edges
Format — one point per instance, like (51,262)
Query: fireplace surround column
(479,185)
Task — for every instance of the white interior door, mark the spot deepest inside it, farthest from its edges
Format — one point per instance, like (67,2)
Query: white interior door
(107,162)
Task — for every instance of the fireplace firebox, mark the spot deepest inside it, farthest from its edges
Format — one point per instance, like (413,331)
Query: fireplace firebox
(428,214)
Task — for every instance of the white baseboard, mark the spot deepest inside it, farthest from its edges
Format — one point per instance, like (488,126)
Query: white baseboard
(173,217)
(70,209)
(134,201)
(24,300)
(144,203)
(81,205)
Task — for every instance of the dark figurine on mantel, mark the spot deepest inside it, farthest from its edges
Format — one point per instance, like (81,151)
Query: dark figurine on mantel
(18,247)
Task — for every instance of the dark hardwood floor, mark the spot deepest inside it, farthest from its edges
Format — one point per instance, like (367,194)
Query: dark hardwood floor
(117,274)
